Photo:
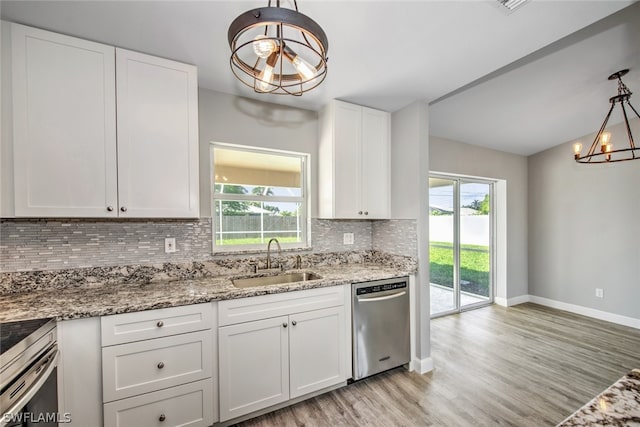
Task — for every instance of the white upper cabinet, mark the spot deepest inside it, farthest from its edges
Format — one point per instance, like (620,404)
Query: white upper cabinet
(157,103)
(64,125)
(353,175)
(100,131)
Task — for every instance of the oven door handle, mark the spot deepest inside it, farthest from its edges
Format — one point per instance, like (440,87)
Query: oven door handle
(386,297)
(14,410)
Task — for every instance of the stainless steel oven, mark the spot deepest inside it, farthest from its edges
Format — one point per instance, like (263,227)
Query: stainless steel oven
(28,373)
(381,323)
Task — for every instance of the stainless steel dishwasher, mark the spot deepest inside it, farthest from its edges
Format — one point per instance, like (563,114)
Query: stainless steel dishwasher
(381,336)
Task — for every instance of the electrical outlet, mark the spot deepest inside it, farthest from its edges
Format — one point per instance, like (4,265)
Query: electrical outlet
(599,292)
(169,245)
(347,238)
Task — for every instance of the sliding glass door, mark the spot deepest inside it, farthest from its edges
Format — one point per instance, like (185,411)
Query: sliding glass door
(460,243)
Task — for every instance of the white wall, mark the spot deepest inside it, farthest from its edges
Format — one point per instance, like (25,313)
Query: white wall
(453,157)
(584,229)
(236,120)
(410,200)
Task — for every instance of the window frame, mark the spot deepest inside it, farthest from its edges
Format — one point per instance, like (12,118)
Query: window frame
(304,201)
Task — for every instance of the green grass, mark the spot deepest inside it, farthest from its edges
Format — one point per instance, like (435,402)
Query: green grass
(474,267)
(254,241)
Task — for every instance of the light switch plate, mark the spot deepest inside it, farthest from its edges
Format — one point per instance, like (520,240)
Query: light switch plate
(169,245)
(599,293)
(347,238)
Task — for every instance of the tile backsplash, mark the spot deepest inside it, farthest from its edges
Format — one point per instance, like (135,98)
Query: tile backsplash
(53,244)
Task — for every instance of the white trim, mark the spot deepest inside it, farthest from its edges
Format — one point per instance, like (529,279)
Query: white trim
(421,366)
(512,301)
(586,311)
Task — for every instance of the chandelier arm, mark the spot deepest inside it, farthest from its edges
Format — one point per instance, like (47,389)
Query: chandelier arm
(626,122)
(634,110)
(592,149)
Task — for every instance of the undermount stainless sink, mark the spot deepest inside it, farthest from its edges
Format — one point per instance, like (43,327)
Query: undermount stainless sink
(278,279)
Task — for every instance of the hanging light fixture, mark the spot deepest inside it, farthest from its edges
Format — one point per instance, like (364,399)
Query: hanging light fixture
(601,150)
(278,50)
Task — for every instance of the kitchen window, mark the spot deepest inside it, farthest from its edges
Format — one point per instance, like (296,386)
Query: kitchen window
(258,194)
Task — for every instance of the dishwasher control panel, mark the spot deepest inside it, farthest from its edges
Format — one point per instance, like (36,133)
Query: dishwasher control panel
(381,288)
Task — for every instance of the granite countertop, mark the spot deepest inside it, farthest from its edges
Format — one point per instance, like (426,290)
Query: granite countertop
(618,405)
(100,299)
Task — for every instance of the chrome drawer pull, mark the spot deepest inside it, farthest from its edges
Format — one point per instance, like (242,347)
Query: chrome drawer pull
(294,323)
(160,365)
(284,325)
(162,418)
(160,324)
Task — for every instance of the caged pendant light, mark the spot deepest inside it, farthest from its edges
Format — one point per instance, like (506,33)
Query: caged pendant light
(278,50)
(601,150)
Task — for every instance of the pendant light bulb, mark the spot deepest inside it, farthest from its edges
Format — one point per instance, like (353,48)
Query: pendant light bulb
(263,46)
(577,148)
(604,139)
(265,78)
(306,70)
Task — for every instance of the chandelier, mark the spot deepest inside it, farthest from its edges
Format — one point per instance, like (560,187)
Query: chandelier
(278,50)
(606,153)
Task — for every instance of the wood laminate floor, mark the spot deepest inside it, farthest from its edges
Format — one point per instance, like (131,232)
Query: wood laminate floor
(526,365)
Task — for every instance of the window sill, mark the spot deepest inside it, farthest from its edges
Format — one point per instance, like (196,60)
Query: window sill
(258,251)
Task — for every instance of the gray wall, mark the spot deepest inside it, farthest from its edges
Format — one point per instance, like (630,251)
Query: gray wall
(584,229)
(458,158)
(236,120)
(410,200)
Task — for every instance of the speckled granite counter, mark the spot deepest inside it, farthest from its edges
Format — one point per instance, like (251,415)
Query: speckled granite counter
(73,294)
(619,405)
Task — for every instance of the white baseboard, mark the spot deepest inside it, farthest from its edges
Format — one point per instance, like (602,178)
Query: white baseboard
(512,301)
(421,366)
(586,311)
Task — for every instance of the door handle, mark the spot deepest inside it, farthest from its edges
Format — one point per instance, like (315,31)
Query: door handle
(384,298)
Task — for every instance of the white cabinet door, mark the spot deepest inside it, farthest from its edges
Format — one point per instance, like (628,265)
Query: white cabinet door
(375,163)
(353,162)
(317,350)
(157,136)
(254,366)
(347,160)
(64,135)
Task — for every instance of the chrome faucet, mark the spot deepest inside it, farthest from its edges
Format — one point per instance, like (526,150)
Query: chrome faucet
(269,251)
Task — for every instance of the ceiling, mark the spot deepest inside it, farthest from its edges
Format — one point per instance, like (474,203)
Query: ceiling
(527,86)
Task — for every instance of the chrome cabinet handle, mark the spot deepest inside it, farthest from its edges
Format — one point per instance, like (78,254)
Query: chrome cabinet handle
(123,209)
(284,325)
(162,418)
(366,212)
(359,212)
(294,323)
(160,365)
(109,208)
(160,324)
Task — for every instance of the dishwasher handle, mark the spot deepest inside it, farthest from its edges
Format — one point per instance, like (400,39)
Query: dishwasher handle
(384,298)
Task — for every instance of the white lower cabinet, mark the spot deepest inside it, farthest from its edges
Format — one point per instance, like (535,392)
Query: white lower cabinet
(254,366)
(270,361)
(79,372)
(316,352)
(185,405)
(166,380)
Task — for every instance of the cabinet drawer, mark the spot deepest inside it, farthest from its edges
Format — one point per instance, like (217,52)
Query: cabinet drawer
(145,366)
(185,405)
(265,306)
(144,325)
